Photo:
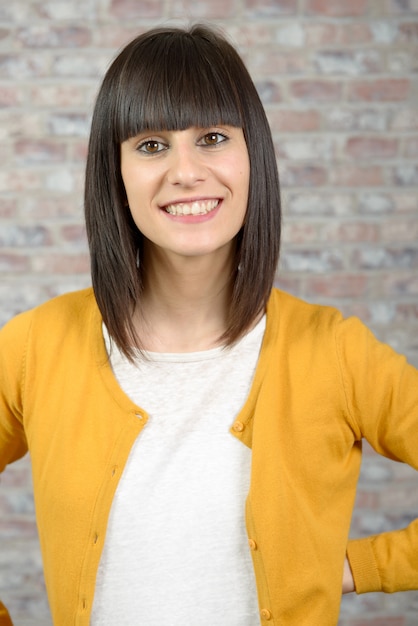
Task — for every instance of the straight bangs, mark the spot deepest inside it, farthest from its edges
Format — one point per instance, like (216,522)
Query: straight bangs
(173,83)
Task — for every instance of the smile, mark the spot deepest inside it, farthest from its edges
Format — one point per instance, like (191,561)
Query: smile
(197,207)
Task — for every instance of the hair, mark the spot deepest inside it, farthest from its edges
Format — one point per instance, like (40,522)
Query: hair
(173,79)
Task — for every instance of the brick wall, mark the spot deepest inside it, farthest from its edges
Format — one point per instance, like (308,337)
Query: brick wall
(339,82)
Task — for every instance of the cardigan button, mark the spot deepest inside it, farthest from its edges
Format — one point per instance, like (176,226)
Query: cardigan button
(252,544)
(265,614)
(238,426)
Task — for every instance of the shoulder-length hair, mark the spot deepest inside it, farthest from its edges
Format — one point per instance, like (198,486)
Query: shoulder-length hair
(172,79)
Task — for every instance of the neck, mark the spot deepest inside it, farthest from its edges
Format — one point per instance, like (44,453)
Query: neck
(185,302)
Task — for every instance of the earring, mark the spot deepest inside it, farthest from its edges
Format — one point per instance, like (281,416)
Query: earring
(138,261)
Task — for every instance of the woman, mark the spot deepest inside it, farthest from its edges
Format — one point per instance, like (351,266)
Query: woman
(195,434)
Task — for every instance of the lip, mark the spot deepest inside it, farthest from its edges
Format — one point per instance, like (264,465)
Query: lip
(192,218)
(189,200)
(195,207)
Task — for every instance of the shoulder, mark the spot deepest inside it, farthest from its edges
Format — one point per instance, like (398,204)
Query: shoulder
(59,313)
(67,306)
(295,323)
(299,315)
(322,329)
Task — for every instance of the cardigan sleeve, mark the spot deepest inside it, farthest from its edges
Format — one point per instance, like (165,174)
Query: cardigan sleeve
(5,619)
(381,391)
(13,338)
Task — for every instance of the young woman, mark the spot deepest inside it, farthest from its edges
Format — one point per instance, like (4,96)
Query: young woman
(195,434)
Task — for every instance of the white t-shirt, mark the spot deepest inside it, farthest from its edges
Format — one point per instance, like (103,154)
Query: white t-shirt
(176,549)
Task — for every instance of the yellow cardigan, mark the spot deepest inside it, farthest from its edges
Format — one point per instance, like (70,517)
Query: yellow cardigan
(321,384)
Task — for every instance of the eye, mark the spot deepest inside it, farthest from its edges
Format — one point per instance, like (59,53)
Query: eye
(151,146)
(213,139)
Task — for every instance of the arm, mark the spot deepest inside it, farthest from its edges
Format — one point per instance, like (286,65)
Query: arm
(348,581)
(12,348)
(381,391)
(5,619)
(12,437)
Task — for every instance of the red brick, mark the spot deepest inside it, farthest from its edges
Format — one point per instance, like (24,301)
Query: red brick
(8,207)
(357,176)
(316,90)
(5,34)
(371,147)
(207,10)
(116,35)
(270,7)
(399,229)
(266,61)
(47,36)
(408,32)
(74,234)
(299,233)
(44,206)
(354,33)
(59,95)
(405,202)
(18,67)
(405,313)
(337,286)
(15,124)
(61,263)
(411,148)
(78,151)
(321,34)
(349,232)
(397,498)
(367,500)
(132,9)
(303,175)
(288,282)
(13,527)
(10,96)
(39,151)
(284,120)
(11,262)
(20,180)
(337,8)
(383,90)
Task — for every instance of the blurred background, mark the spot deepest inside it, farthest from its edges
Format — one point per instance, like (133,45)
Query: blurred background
(339,83)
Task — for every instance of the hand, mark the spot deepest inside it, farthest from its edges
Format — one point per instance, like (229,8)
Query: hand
(348,581)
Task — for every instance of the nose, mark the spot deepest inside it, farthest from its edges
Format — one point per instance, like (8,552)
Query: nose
(186,167)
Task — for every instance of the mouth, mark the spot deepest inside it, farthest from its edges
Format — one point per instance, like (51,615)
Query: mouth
(196,207)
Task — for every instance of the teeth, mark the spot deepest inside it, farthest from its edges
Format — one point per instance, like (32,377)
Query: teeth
(192,208)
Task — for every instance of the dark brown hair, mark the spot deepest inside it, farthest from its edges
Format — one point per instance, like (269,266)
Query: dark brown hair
(172,79)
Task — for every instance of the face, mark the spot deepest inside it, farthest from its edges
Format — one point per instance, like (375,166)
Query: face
(187,190)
